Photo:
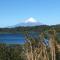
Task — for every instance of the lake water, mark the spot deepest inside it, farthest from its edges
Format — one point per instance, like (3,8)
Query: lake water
(16,38)
(12,38)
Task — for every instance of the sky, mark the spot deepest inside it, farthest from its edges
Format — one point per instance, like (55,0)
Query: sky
(14,11)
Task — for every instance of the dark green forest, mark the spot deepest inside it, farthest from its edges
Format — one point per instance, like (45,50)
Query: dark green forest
(29,29)
(11,52)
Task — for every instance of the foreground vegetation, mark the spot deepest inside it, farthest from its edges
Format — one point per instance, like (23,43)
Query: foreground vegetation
(34,48)
(38,49)
(11,52)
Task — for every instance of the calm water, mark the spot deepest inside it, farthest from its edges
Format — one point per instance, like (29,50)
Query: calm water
(16,38)
(12,38)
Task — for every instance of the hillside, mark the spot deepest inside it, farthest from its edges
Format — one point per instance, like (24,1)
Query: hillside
(32,28)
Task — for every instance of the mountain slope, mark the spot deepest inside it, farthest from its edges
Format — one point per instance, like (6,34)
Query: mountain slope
(29,22)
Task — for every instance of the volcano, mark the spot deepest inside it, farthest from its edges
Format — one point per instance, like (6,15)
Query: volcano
(29,22)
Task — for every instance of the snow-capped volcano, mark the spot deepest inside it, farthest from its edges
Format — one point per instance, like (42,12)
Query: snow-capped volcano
(29,22)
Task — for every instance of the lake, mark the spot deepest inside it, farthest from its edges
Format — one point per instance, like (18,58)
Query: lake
(12,38)
(16,38)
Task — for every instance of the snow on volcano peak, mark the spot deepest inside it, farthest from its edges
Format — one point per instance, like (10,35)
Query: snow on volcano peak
(30,20)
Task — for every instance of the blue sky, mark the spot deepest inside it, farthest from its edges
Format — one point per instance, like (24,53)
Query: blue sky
(13,11)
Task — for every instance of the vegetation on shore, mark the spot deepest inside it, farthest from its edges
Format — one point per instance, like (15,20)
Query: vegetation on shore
(32,28)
